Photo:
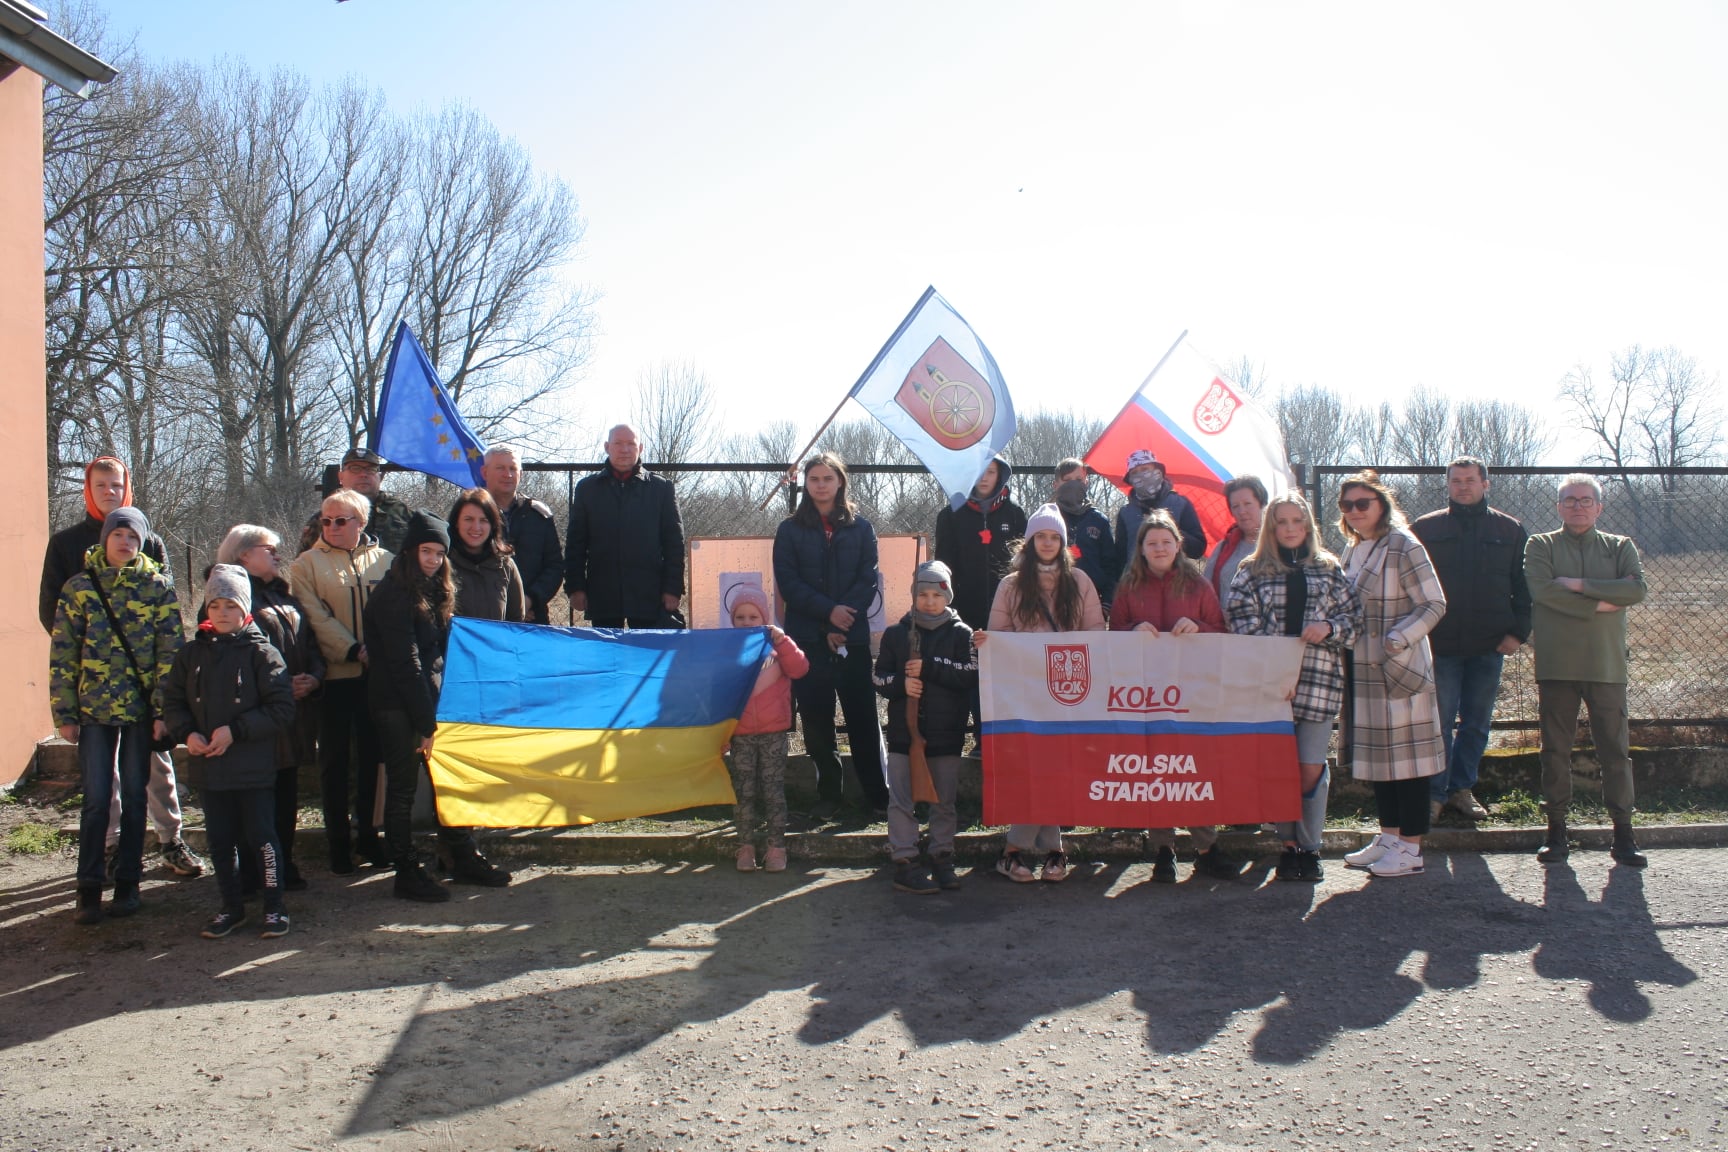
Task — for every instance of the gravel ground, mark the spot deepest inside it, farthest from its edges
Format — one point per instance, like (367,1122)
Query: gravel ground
(1489,1004)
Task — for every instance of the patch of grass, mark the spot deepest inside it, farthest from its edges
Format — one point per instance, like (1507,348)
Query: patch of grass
(32,839)
(8,798)
(72,803)
(1516,807)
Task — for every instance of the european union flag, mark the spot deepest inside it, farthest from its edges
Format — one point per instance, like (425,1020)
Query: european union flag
(418,427)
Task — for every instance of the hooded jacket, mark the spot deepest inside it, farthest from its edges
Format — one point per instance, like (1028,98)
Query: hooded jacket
(66,551)
(950,676)
(333,586)
(975,541)
(488,587)
(238,681)
(90,679)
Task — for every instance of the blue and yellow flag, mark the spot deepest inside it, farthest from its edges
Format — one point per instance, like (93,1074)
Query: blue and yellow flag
(544,727)
(418,426)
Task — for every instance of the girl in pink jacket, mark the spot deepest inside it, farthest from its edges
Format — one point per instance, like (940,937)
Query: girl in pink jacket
(758,763)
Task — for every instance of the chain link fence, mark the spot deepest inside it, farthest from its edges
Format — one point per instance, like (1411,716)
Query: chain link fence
(1677,639)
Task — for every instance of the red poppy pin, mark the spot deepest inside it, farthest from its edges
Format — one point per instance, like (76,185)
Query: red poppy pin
(984,535)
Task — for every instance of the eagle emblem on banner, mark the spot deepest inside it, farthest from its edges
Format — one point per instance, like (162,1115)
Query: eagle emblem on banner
(1216,407)
(1068,672)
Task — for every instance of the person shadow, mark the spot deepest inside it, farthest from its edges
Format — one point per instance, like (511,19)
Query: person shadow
(1611,943)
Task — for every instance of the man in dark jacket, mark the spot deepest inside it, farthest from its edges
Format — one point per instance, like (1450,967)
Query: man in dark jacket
(624,552)
(107,486)
(976,541)
(528,528)
(361,472)
(1478,553)
(1150,488)
(1089,536)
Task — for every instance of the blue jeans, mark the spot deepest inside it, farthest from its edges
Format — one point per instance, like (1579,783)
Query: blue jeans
(98,762)
(1467,687)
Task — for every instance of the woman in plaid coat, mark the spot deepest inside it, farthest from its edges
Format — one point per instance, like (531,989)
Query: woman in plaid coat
(1292,586)
(1395,716)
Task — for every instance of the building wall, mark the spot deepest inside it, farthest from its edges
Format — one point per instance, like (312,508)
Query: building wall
(24,717)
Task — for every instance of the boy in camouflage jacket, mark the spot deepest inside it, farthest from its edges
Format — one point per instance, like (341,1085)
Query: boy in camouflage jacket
(106,706)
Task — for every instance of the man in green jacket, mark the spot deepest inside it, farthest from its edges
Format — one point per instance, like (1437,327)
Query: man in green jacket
(1582,582)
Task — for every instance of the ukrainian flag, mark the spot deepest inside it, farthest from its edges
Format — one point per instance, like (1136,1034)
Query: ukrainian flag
(543,727)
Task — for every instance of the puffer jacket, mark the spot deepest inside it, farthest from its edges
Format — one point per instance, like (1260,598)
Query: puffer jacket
(333,587)
(279,614)
(89,677)
(407,653)
(1129,516)
(1257,605)
(1157,601)
(976,541)
(1478,553)
(950,675)
(488,587)
(770,706)
(237,681)
(815,573)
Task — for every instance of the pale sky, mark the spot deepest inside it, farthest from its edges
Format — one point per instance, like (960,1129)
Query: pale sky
(1373,196)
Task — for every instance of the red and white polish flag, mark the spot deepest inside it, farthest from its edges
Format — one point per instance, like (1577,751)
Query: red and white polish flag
(1204,431)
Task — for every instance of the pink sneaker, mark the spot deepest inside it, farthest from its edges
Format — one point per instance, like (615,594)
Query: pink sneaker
(774,860)
(747,858)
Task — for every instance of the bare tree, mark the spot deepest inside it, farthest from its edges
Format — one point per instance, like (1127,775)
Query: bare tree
(1500,433)
(1680,420)
(1422,433)
(675,412)
(1250,377)
(1312,420)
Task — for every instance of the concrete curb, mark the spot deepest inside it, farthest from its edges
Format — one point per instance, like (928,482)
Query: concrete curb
(867,848)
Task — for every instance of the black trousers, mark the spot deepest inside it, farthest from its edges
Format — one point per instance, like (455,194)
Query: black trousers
(1403,804)
(287,794)
(345,728)
(233,815)
(848,679)
(402,768)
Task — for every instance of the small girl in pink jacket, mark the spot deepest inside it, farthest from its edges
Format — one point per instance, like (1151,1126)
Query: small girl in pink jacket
(758,761)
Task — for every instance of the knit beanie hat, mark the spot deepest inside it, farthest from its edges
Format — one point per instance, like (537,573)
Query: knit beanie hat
(229,582)
(425,528)
(934,574)
(1048,519)
(748,594)
(127,517)
(107,464)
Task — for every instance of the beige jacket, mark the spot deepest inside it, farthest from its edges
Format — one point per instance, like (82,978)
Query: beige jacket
(1002,609)
(333,586)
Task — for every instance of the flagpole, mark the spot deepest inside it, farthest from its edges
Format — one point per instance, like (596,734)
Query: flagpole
(784,479)
(1140,389)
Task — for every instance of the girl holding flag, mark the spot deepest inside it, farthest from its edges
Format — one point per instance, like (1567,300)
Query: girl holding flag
(1043,592)
(1292,586)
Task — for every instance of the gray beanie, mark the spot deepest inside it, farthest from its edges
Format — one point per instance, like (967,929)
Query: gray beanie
(1047,519)
(229,582)
(934,574)
(127,517)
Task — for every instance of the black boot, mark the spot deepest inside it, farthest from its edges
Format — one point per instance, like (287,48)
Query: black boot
(1554,850)
(942,871)
(908,877)
(1624,850)
(89,906)
(413,882)
(467,866)
(126,899)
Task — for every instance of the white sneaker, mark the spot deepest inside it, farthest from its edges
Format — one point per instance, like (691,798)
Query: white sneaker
(1403,859)
(1376,848)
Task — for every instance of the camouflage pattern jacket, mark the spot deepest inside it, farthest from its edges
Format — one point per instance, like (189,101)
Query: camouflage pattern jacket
(90,681)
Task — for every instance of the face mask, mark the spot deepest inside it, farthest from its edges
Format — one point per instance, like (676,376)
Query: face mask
(1071,495)
(1149,487)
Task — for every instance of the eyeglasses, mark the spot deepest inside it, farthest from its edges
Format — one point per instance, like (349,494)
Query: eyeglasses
(1361,505)
(337,521)
(271,548)
(1578,502)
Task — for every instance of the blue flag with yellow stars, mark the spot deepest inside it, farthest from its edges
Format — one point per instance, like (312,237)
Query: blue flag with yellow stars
(418,426)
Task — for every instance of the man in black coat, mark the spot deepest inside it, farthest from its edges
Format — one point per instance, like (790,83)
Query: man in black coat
(624,552)
(976,542)
(1478,554)
(528,528)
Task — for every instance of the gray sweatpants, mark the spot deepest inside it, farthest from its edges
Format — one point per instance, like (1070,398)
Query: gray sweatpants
(1035,837)
(903,824)
(161,799)
(1310,831)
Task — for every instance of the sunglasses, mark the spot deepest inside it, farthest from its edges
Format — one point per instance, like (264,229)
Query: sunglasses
(337,521)
(1361,505)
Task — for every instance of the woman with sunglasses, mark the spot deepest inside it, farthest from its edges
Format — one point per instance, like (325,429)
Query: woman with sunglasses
(1394,729)
(333,579)
(285,624)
